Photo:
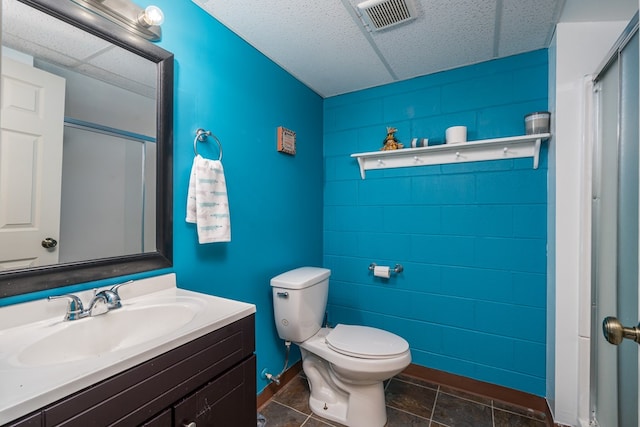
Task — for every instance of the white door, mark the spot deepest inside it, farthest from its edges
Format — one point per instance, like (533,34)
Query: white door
(615,398)
(31,131)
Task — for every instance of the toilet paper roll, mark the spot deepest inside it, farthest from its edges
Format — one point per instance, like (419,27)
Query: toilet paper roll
(456,134)
(381,271)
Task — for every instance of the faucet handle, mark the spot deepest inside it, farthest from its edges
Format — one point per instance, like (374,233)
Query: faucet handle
(111,296)
(116,287)
(75,308)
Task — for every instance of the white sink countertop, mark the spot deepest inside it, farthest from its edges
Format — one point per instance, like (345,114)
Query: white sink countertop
(44,358)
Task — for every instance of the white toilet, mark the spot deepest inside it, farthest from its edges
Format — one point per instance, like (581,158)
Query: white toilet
(345,365)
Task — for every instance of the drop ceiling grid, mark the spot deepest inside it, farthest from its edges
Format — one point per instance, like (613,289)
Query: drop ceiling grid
(17,43)
(439,39)
(117,80)
(127,65)
(320,45)
(526,25)
(317,42)
(18,20)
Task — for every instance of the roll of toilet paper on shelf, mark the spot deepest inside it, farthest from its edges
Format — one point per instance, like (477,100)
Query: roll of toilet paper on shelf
(456,134)
(381,271)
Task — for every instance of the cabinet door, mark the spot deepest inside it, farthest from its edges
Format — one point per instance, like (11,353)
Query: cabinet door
(230,400)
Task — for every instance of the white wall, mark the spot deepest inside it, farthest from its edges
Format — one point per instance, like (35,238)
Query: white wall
(94,101)
(551,233)
(579,49)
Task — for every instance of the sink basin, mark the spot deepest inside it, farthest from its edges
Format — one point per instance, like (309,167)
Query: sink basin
(118,329)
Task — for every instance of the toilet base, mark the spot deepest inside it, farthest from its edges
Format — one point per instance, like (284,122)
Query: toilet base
(351,404)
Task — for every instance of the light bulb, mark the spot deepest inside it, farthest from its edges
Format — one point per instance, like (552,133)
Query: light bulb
(152,15)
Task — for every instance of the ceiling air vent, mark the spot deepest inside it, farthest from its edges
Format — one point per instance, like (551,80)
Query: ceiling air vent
(382,14)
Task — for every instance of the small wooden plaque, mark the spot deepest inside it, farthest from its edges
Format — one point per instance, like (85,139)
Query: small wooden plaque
(286,141)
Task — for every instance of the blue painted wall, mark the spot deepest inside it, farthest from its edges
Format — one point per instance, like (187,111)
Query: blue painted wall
(472,237)
(224,85)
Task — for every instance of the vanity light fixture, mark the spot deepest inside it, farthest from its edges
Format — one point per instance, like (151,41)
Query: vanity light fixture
(142,22)
(150,16)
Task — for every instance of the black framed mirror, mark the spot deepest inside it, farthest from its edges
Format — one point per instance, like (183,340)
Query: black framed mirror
(157,254)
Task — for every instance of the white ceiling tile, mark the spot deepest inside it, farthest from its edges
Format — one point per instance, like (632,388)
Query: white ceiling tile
(37,51)
(325,45)
(435,42)
(318,42)
(126,64)
(526,25)
(55,42)
(50,33)
(117,80)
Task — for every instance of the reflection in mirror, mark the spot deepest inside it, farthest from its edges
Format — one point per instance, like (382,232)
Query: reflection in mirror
(81,149)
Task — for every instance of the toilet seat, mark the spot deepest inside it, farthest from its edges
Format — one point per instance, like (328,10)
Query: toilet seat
(365,342)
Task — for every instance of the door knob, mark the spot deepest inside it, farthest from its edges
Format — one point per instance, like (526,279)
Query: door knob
(614,332)
(49,243)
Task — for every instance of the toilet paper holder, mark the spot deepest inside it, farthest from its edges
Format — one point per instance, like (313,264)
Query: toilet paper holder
(397,269)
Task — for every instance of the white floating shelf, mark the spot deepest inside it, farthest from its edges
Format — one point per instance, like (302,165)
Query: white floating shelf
(512,147)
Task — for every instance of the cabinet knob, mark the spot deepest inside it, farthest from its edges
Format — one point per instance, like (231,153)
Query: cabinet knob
(189,425)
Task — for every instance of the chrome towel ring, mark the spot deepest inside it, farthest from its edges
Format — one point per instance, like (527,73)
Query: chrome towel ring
(201,135)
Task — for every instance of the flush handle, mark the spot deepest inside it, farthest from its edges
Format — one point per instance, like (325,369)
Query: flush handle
(614,332)
(283,294)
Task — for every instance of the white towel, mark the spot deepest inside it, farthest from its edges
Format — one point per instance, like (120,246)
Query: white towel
(207,203)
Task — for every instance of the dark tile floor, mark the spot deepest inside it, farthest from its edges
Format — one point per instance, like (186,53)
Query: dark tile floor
(410,403)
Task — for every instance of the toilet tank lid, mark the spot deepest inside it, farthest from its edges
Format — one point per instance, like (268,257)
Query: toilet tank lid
(300,278)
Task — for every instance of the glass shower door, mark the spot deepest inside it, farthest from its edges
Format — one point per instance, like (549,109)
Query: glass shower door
(615,238)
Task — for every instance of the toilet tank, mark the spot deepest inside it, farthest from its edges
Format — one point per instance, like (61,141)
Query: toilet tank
(299,302)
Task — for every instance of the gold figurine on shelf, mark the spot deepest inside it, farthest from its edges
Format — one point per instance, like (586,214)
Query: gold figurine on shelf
(391,142)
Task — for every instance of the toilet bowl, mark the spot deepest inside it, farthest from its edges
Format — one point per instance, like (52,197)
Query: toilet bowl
(346,365)
(354,359)
(347,387)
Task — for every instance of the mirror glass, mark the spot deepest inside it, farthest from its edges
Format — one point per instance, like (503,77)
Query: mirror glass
(85,142)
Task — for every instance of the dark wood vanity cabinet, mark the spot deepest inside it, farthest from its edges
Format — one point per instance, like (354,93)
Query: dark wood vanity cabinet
(210,381)
(33,420)
(213,404)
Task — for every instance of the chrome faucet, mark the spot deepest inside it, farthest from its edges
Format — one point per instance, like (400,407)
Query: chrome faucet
(101,303)
(111,296)
(75,310)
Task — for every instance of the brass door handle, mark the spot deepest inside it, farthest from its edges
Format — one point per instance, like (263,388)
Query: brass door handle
(49,243)
(614,332)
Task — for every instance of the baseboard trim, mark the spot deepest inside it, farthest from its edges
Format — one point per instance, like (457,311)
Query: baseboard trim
(468,385)
(492,391)
(268,392)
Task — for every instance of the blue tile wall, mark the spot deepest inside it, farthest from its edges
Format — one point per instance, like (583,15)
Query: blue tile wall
(472,236)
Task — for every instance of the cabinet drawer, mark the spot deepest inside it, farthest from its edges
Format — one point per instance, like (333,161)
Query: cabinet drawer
(165,419)
(33,420)
(132,397)
(230,400)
